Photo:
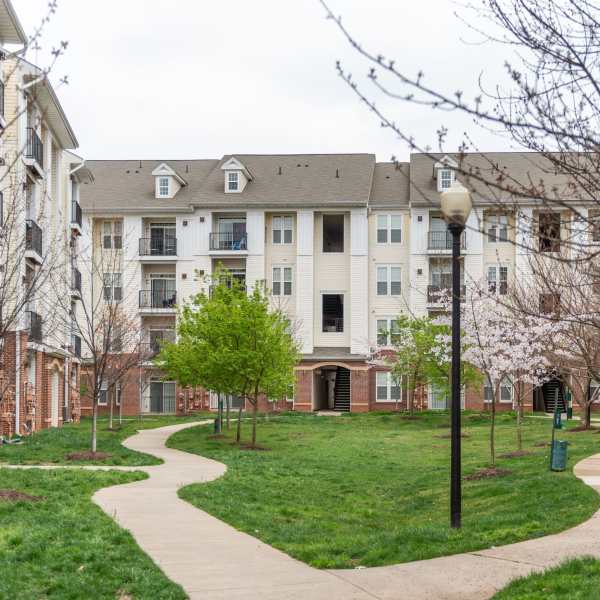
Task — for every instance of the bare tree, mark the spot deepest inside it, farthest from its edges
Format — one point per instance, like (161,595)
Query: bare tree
(548,105)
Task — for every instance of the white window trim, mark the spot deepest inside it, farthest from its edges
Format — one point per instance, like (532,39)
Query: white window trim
(441,170)
(497,267)
(388,228)
(500,401)
(492,221)
(282,281)
(161,179)
(389,268)
(103,388)
(388,394)
(231,177)
(282,230)
(389,320)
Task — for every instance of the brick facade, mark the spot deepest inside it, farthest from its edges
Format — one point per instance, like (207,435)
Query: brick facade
(36,388)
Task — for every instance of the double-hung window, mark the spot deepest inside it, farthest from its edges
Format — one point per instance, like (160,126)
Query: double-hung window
(445,178)
(163,186)
(389,229)
(388,387)
(112,235)
(506,389)
(387,331)
(282,229)
(497,277)
(497,228)
(113,287)
(389,280)
(282,281)
(233,181)
(103,396)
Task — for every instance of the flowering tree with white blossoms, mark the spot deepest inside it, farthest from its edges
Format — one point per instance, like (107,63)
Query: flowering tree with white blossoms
(504,345)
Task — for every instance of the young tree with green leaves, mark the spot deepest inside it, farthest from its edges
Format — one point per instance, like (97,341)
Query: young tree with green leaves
(231,342)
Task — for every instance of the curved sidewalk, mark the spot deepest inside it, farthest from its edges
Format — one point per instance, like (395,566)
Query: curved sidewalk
(213,561)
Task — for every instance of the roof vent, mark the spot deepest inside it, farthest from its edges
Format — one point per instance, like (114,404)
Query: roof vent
(128,171)
(187,168)
(140,165)
(279,172)
(337,173)
(298,165)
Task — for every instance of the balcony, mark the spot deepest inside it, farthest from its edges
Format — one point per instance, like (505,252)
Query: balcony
(76,346)
(33,240)
(158,299)
(158,247)
(34,151)
(76,282)
(434,292)
(151,349)
(442,240)
(333,324)
(76,216)
(228,242)
(35,327)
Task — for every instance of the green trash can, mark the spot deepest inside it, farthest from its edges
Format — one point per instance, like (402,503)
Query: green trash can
(559,455)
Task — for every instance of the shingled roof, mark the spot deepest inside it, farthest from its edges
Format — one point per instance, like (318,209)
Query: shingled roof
(287,180)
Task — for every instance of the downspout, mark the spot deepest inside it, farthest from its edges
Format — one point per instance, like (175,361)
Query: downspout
(18,382)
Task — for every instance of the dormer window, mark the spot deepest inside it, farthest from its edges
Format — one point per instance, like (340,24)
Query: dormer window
(233,181)
(236,175)
(167,181)
(445,179)
(164,187)
(444,172)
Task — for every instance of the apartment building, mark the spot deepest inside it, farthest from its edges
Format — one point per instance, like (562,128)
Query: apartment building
(343,243)
(41,226)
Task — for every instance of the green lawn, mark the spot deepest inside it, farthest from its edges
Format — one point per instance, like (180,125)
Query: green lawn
(373,489)
(576,580)
(51,446)
(64,547)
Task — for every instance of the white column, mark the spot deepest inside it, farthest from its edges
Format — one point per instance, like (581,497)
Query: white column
(359,281)
(255,262)
(305,279)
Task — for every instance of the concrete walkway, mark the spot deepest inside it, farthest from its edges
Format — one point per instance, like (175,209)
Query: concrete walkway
(213,561)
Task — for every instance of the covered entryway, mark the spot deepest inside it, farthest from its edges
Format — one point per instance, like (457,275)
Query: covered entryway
(331,388)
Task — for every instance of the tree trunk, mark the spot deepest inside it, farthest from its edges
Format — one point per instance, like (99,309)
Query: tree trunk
(110,418)
(121,412)
(238,433)
(519,418)
(254,415)
(586,413)
(493,425)
(94,422)
(411,399)
(227,413)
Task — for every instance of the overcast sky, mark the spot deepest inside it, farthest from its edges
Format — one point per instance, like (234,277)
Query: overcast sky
(197,79)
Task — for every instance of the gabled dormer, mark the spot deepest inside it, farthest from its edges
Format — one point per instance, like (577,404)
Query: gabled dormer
(167,182)
(236,176)
(444,172)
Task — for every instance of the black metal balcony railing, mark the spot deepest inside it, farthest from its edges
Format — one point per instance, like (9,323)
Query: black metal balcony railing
(333,324)
(158,299)
(442,240)
(228,241)
(34,148)
(150,349)
(76,346)
(35,327)
(76,216)
(33,236)
(76,280)
(158,246)
(435,293)
(2,98)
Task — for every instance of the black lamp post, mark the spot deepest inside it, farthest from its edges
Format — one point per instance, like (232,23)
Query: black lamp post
(456,205)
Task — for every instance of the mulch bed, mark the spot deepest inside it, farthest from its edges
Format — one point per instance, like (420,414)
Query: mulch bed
(88,455)
(14,496)
(257,447)
(489,472)
(447,436)
(516,454)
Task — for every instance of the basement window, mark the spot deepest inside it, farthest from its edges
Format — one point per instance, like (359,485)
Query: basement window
(333,233)
(333,313)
